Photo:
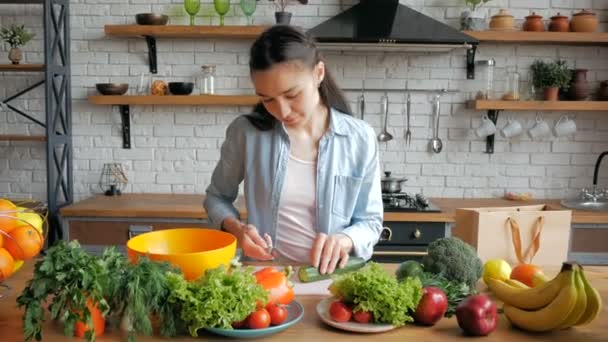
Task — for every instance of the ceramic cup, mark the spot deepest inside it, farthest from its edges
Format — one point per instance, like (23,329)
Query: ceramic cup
(564,126)
(540,129)
(486,128)
(512,129)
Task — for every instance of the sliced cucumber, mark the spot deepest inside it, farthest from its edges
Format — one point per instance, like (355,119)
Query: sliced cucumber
(308,274)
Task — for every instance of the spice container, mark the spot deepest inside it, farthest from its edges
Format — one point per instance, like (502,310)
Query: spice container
(512,86)
(534,23)
(207,82)
(584,21)
(486,74)
(502,21)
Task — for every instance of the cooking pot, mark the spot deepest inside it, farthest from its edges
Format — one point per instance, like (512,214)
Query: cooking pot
(391,184)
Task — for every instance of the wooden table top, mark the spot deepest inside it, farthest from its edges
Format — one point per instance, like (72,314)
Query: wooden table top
(311,328)
(191,207)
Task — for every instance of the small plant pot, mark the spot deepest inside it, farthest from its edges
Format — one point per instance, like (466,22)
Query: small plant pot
(15,55)
(473,21)
(551,94)
(283,18)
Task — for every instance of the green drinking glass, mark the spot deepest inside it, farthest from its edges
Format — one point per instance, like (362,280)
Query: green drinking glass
(248,8)
(221,7)
(192,7)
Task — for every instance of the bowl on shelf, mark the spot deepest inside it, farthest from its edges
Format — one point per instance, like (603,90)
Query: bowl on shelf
(193,250)
(112,88)
(151,19)
(181,88)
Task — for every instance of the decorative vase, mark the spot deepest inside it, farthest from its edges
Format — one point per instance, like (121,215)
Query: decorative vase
(283,18)
(551,94)
(579,87)
(15,55)
(559,23)
(534,23)
(584,21)
(473,21)
(603,92)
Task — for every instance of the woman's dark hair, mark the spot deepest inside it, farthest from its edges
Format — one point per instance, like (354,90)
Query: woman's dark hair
(283,43)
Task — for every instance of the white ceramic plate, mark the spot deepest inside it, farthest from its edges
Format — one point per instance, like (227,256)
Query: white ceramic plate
(370,328)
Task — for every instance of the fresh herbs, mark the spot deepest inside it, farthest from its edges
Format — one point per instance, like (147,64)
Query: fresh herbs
(71,277)
(374,290)
(550,74)
(137,291)
(217,299)
(15,35)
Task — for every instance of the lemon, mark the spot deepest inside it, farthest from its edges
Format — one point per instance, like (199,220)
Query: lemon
(496,269)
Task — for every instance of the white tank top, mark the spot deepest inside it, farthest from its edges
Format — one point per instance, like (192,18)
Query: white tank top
(297,224)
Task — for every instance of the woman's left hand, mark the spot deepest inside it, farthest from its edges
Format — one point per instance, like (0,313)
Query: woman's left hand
(328,250)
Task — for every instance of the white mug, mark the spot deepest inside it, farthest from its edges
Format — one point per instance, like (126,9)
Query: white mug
(564,126)
(486,128)
(512,129)
(539,130)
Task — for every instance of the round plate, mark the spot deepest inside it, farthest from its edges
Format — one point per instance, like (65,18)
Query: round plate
(295,312)
(323,311)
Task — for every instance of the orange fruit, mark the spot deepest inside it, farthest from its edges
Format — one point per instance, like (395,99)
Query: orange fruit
(7,264)
(25,243)
(525,273)
(8,211)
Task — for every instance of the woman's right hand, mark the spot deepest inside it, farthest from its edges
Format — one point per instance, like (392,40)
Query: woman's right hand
(252,244)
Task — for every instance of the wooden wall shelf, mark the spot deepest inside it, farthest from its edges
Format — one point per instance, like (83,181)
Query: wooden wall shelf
(22,67)
(569,38)
(209,100)
(578,106)
(185,31)
(17,137)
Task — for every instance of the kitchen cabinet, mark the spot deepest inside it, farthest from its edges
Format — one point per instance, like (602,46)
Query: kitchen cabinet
(589,244)
(403,240)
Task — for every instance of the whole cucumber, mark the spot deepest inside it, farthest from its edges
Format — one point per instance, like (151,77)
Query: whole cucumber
(308,274)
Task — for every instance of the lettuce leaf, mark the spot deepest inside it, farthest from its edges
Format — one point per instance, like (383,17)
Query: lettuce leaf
(217,299)
(373,289)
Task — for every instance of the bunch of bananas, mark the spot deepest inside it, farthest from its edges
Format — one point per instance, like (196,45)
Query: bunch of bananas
(565,301)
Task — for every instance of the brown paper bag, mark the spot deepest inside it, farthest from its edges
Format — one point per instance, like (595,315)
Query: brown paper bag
(531,234)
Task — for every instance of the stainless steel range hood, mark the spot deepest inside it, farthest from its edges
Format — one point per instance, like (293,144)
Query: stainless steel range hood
(386,25)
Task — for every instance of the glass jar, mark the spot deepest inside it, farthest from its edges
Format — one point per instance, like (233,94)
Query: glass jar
(485,70)
(512,86)
(207,83)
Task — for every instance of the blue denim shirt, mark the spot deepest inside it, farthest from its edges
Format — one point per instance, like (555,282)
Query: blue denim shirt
(348,198)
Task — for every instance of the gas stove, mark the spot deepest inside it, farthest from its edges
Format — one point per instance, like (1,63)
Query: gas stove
(403,202)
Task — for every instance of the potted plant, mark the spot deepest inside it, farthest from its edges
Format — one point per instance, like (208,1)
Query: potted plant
(550,76)
(282,16)
(15,36)
(73,281)
(132,304)
(473,18)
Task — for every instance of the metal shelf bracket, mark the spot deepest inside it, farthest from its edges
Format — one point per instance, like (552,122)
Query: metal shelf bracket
(471,62)
(126,126)
(152,54)
(492,115)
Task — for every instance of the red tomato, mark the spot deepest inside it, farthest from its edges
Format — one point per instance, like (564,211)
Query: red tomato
(259,319)
(240,324)
(278,313)
(362,316)
(339,312)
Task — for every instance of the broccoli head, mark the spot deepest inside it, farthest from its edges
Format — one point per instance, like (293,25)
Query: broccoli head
(454,259)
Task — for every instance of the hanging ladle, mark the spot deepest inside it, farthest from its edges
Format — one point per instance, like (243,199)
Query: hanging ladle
(385,136)
(436,144)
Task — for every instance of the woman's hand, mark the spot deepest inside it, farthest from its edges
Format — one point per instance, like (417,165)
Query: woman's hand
(328,250)
(252,244)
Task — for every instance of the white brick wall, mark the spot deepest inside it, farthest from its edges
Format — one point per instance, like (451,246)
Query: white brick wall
(176,148)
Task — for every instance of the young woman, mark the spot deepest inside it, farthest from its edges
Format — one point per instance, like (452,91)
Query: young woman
(310,170)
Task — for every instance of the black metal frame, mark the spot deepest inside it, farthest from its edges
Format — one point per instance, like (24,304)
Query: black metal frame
(58,109)
(493,116)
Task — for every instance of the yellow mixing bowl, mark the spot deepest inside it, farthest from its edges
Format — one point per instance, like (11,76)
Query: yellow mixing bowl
(193,250)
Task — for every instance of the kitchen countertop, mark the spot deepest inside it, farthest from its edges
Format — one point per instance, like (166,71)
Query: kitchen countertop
(312,328)
(190,206)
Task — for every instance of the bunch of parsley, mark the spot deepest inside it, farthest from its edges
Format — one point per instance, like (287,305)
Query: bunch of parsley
(374,290)
(217,299)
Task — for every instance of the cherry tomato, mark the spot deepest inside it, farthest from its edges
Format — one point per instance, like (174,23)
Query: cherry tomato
(259,319)
(362,316)
(278,313)
(339,312)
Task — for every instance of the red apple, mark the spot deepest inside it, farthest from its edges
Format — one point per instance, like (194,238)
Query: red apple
(432,306)
(477,315)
